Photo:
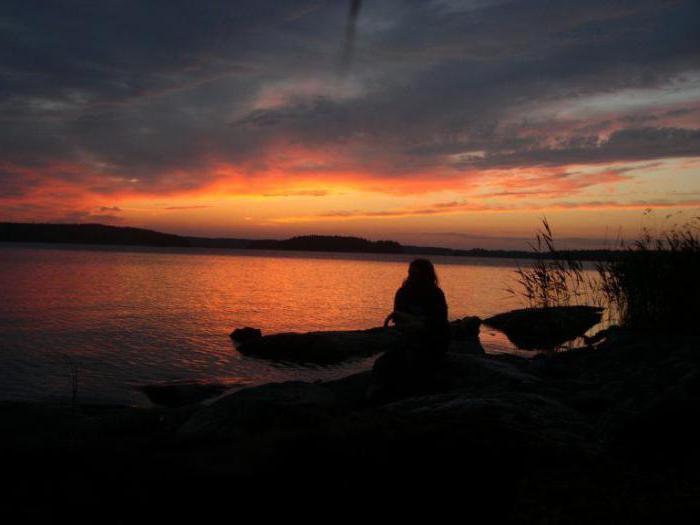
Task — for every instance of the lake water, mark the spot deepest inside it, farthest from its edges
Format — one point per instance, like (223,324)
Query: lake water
(124,317)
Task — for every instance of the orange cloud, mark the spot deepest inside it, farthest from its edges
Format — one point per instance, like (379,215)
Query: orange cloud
(554,182)
(448,208)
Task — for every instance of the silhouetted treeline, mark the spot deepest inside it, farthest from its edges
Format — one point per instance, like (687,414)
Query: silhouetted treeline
(221,243)
(118,235)
(87,234)
(310,243)
(329,243)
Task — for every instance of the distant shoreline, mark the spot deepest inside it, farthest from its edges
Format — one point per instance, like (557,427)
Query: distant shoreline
(103,235)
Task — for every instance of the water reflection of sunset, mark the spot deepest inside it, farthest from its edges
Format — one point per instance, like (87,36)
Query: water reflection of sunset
(133,317)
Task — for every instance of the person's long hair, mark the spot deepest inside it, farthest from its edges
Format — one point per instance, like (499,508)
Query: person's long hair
(421,275)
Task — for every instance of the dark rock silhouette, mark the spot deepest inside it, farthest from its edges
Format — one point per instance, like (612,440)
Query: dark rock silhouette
(242,335)
(322,347)
(336,346)
(295,405)
(274,407)
(601,434)
(545,328)
(465,335)
(528,329)
(181,393)
(469,372)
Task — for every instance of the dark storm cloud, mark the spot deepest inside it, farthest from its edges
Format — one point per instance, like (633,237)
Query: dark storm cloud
(147,95)
(13,183)
(350,33)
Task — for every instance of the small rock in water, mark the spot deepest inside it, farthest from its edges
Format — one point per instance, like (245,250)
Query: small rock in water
(322,347)
(545,328)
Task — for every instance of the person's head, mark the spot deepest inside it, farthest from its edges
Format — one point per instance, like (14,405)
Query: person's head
(421,272)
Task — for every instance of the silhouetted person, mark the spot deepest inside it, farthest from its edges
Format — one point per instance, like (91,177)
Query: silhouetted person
(420,312)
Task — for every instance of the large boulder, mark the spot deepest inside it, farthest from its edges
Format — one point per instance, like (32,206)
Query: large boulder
(180,393)
(519,418)
(291,406)
(322,347)
(455,443)
(545,328)
(458,372)
(464,372)
(351,391)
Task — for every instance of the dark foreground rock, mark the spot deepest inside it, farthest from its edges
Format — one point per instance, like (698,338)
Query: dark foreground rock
(293,405)
(605,434)
(545,328)
(181,393)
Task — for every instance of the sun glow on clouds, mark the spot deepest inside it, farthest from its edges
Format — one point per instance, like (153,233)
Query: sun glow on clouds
(269,204)
(269,208)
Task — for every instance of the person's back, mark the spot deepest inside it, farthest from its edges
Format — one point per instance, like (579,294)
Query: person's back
(421,303)
(420,312)
(427,303)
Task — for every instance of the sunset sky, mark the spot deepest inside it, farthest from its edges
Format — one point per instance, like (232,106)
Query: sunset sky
(443,122)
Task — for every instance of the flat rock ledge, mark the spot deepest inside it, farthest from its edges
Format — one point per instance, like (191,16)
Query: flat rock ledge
(337,346)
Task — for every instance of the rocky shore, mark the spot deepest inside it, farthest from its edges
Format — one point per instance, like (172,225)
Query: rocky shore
(603,434)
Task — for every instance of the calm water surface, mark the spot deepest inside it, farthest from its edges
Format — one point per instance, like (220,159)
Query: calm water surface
(126,317)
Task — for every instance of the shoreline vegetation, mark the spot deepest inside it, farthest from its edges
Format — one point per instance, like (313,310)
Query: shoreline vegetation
(100,234)
(602,433)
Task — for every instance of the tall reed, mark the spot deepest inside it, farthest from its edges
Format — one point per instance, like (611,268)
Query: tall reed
(654,281)
(554,278)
